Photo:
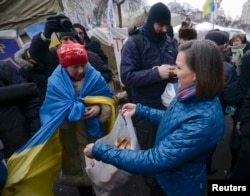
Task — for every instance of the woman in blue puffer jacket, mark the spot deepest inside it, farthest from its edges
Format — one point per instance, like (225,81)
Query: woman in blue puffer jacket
(188,130)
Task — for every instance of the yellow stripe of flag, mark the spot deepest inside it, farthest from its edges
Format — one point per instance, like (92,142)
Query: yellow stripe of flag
(208,7)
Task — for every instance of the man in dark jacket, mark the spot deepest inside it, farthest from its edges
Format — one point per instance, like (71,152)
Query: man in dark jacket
(19,109)
(147,73)
(242,169)
(239,144)
(231,94)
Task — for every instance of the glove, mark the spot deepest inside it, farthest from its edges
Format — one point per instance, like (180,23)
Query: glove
(54,24)
(51,25)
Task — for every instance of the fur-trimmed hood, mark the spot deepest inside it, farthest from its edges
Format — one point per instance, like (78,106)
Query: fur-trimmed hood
(19,57)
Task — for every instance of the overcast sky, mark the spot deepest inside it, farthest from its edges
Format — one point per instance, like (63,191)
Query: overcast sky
(233,7)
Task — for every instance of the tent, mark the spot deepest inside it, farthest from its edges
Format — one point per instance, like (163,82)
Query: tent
(20,14)
(204,27)
(111,45)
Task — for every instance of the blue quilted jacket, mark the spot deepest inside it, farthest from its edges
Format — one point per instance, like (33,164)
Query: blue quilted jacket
(188,130)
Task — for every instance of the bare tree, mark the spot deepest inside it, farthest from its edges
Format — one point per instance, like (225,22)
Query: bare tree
(122,5)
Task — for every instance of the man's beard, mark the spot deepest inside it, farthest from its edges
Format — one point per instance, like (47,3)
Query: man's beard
(161,35)
(157,37)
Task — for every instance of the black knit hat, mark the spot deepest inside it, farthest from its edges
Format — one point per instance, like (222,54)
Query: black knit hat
(71,34)
(159,13)
(219,37)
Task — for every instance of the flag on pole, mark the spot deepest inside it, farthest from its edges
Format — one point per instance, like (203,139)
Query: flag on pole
(208,7)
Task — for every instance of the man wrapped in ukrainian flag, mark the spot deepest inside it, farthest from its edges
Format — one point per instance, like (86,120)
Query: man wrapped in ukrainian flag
(78,109)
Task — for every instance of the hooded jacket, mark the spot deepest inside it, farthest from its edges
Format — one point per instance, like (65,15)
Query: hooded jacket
(137,70)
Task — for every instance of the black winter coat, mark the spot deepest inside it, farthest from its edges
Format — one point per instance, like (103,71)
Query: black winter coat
(33,72)
(231,93)
(19,109)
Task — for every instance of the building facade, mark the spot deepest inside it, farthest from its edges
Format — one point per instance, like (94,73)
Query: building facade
(245,17)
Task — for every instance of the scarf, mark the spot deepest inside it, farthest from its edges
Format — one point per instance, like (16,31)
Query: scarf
(186,92)
(237,53)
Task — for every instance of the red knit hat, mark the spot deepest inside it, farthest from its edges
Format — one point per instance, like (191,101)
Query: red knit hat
(71,54)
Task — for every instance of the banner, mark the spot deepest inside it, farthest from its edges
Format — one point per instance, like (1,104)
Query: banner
(110,17)
(10,43)
(118,38)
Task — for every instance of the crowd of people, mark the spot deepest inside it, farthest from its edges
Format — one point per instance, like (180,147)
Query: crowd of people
(70,84)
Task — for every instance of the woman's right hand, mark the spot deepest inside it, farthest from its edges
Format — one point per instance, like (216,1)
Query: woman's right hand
(129,107)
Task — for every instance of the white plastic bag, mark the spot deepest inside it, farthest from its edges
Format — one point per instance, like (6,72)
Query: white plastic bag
(105,177)
(169,93)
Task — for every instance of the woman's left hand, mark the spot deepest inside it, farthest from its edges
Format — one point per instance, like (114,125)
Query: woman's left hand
(91,111)
(88,150)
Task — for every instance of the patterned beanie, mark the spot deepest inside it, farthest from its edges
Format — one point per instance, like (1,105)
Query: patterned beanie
(72,54)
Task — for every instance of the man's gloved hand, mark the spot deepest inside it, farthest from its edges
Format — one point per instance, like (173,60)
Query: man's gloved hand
(51,26)
(65,24)
(54,24)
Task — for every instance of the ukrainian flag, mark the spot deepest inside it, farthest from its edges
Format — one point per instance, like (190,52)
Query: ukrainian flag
(33,171)
(33,168)
(208,7)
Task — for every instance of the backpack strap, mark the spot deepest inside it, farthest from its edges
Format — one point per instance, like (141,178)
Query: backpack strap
(138,39)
